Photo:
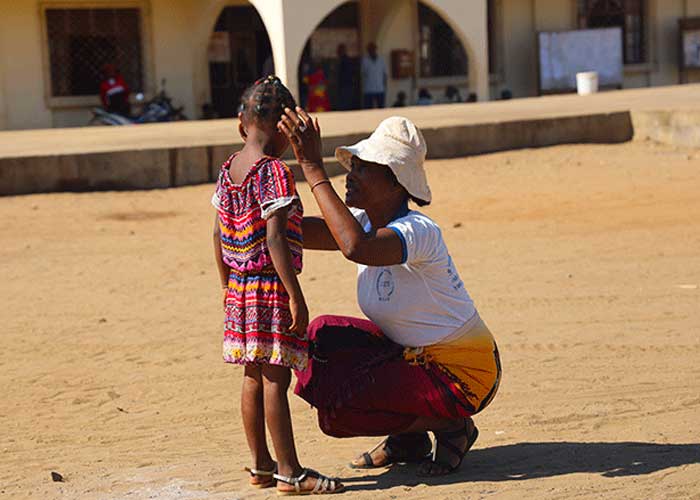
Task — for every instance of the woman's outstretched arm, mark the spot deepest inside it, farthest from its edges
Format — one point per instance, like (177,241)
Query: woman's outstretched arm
(317,236)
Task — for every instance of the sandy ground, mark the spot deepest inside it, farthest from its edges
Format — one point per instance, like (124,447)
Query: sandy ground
(583,260)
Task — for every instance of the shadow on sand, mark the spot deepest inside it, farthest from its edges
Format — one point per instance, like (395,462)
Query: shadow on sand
(518,462)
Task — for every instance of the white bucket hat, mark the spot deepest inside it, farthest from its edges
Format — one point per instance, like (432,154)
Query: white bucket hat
(398,144)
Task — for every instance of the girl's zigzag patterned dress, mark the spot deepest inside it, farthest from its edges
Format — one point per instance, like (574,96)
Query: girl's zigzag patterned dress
(256,328)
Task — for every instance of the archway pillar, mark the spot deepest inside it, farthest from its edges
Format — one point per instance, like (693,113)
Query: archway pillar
(471,25)
(289,25)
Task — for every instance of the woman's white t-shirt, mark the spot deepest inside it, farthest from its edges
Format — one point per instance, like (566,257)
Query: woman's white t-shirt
(422,301)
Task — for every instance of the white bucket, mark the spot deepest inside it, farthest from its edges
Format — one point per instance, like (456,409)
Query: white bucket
(587,83)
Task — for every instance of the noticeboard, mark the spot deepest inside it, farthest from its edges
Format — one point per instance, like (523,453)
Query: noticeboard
(689,30)
(563,54)
(402,64)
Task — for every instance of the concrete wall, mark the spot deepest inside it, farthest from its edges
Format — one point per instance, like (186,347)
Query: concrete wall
(173,51)
(516,34)
(678,127)
(21,59)
(664,39)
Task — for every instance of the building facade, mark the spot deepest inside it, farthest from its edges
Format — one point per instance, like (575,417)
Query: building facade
(207,51)
(650,37)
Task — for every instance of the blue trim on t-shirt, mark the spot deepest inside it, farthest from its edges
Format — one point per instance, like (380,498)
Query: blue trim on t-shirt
(404,248)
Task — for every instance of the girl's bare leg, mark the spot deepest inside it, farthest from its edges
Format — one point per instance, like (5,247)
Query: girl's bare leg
(276,381)
(253,413)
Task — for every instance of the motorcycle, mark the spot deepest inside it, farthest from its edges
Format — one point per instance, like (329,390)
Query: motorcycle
(158,109)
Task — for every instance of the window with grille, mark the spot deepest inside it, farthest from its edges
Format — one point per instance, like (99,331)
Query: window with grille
(441,52)
(630,15)
(82,41)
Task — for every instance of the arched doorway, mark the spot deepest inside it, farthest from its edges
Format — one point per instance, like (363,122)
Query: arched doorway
(334,49)
(442,59)
(239,53)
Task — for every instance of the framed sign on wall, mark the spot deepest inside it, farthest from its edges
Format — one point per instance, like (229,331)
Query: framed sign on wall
(689,47)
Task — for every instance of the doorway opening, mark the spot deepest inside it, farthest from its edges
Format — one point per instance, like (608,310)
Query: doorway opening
(239,54)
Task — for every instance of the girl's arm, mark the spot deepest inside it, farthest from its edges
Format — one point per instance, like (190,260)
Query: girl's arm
(317,236)
(220,264)
(282,260)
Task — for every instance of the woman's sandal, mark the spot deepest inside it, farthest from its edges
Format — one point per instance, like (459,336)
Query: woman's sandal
(267,476)
(324,485)
(442,440)
(394,454)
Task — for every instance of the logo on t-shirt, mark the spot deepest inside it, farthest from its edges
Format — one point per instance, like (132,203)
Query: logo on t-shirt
(385,285)
(455,281)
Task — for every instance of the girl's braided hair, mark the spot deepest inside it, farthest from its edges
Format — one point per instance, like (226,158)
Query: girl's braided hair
(266,99)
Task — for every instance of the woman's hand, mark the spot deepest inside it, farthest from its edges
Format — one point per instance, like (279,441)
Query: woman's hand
(225,292)
(304,134)
(300,316)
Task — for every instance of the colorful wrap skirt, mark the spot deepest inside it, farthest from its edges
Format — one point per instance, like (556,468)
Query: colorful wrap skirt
(363,384)
(256,328)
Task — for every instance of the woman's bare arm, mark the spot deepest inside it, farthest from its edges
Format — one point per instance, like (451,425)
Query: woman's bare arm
(378,248)
(317,236)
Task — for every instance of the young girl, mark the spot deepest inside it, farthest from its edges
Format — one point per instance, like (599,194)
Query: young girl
(258,249)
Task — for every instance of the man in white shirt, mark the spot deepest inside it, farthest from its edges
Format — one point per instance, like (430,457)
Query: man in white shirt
(374,78)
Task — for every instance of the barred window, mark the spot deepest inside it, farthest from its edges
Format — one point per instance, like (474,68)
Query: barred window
(630,15)
(82,40)
(441,52)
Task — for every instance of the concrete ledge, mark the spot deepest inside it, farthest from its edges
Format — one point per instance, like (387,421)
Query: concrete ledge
(90,172)
(450,142)
(678,128)
(183,153)
(161,168)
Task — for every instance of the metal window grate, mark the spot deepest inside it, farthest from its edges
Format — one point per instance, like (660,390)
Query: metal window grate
(441,52)
(627,14)
(82,41)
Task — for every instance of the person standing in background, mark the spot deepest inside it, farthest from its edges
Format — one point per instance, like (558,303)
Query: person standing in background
(345,79)
(374,76)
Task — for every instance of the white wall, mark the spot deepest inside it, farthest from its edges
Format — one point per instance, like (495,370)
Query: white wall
(173,52)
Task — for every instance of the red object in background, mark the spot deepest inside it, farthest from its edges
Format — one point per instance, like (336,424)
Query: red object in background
(112,86)
(318,92)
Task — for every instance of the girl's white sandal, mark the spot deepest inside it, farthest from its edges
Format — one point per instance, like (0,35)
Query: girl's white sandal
(324,485)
